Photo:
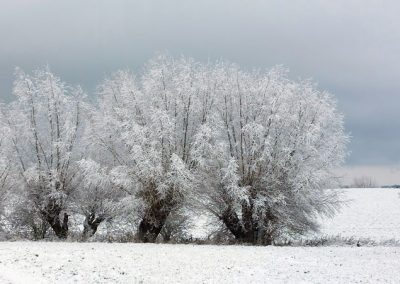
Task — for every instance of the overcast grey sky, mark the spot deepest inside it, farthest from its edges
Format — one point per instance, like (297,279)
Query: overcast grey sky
(351,48)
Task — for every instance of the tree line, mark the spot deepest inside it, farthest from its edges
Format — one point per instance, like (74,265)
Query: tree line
(254,150)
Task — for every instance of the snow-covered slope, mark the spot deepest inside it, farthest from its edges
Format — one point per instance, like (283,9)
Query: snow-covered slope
(370,213)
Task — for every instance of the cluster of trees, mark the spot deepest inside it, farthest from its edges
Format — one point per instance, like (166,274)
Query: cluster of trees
(253,149)
(364,182)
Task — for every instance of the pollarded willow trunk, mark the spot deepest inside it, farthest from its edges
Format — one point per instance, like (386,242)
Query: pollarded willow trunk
(153,222)
(91,225)
(148,230)
(156,216)
(60,227)
(232,222)
(52,216)
(249,227)
(246,229)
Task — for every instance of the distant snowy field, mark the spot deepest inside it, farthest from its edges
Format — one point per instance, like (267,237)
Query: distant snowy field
(373,213)
(370,213)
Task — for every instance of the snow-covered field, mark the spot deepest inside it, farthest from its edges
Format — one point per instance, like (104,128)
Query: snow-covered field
(373,213)
(370,213)
(147,263)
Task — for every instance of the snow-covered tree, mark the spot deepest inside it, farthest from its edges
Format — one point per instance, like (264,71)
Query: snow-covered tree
(256,148)
(147,126)
(176,227)
(4,184)
(253,148)
(97,198)
(266,158)
(44,124)
(5,172)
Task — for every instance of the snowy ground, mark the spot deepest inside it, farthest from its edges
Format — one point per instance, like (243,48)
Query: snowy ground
(146,263)
(373,213)
(370,213)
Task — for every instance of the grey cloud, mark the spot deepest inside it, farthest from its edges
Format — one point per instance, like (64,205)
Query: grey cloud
(349,47)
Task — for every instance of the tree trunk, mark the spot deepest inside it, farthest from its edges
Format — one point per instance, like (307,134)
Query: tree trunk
(148,231)
(52,216)
(153,222)
(245,230)
(232,222)
(90,225)
(59,227)
(156,215)
(249,228)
